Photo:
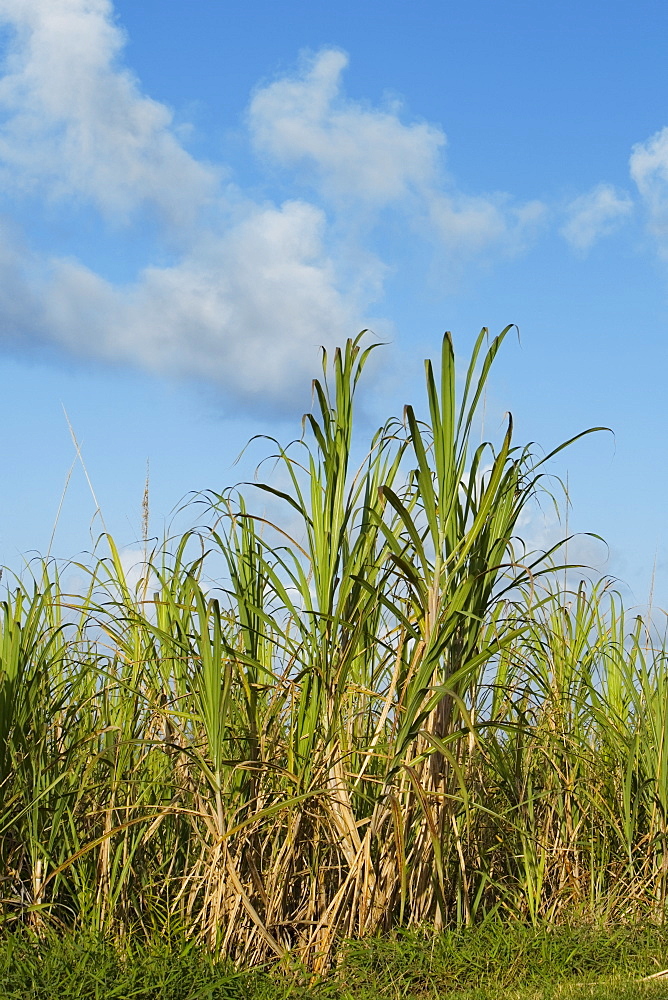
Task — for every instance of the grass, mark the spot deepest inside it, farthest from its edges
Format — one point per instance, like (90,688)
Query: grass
(66,966)
(384,714)
(492,962)
(501,959)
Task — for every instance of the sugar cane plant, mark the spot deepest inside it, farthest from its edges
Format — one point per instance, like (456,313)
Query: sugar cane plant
(386,712)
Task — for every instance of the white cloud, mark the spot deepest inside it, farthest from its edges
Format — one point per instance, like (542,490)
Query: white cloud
(76,123)
(649,170)
(134,567)
(247,310)
(540,528)
(252,289)
(466,223)
(354,151)
(470,225)
(255,289)
(595,214)
(357,151)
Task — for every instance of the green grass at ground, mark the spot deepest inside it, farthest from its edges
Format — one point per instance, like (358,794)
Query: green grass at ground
(82,967)
(497,962)
(501,960)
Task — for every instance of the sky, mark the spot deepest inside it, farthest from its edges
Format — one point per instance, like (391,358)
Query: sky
(196,195)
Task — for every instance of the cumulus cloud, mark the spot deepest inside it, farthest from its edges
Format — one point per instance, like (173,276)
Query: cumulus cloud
(251,290)
(470,225)
(76,123)
(540,529)
(367,154)
(649,170)
(357,151)
(470,222)
(134,567)
(247,309)
(595,214)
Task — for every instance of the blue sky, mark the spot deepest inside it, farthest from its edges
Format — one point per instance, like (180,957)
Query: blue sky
(196,195)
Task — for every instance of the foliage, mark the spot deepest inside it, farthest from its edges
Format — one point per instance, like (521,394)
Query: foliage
(493,962)
(387,714)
